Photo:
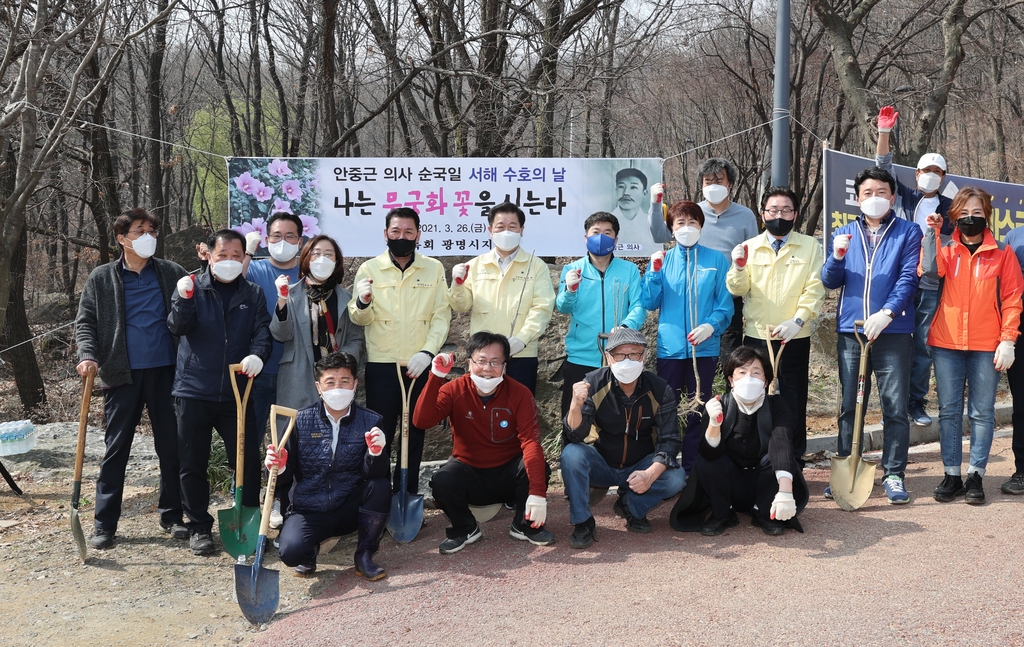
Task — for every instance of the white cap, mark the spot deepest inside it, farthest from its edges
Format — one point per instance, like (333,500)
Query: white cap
(932,159)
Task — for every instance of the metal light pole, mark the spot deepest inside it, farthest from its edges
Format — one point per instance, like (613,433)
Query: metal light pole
(780,127)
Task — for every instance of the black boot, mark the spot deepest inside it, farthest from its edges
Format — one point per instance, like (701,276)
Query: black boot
(371,529)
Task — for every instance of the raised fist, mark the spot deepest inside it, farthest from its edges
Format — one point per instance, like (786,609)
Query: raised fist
(459,273)
(375,441)
(186,287)
(714,411)
(281,283)
(252,242)
(364,290)
(739,256)
(840,245)
(572,280)
(657,260)
(442,365)
(657,192)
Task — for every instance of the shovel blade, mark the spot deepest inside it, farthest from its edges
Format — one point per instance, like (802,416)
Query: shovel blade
(484,513)
(76,530)
(239,529)
(851,481)
(406,516)
(258,590)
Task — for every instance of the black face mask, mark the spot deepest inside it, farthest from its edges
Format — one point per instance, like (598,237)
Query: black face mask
(401,247)
(970,226)
(779,227)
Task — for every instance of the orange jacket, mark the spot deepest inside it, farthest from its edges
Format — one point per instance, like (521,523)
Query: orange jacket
(980,304)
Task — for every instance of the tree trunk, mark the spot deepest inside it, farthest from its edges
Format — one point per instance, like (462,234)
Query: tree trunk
(154,94)
(27,377)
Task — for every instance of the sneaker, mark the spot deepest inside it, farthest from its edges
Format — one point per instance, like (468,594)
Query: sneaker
(633,524)
(536,536)
(583,535)
(276,519)
(177,529)
(828,493)
(455,544)
(713,527)
(950,488)
(1015,485)
(895,491)
(102,540)
(917,414)
(201,543)
(973,492)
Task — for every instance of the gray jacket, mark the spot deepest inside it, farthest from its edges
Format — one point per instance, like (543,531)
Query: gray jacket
(295,378)
(100,325)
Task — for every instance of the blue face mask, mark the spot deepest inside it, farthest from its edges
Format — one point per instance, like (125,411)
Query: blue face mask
(600,244)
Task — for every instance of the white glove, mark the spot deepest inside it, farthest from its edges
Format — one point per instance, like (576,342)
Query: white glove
(278,457)
(840,245)
(714,411)
(252,242)
(515,346)
(657,192)
(417,364)
(536,510)
(1004,355)
(786,330)
(572,280)
(442,365)
(186,286)
(459,273)
(365,290)
(375,441)
(252,365)
(700,334)
(657,260)
(783,506)
(281,284)
(875,324)
(739,256)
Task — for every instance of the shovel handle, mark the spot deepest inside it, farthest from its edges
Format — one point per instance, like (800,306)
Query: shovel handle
(83,423)
(406,397)
(268,499)
(241,403)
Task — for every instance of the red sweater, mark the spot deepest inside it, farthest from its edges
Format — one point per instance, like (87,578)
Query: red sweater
(486,435)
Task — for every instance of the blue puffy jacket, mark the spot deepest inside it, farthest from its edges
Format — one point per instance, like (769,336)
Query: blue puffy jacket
(668,291)
(211,340)
(601,302)
(888,279)
(324,480)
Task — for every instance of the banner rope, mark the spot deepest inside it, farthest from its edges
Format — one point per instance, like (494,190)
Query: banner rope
(783,115)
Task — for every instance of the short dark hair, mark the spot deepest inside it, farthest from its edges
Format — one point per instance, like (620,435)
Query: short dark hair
(506,207)
(784,191)
(402,212)
(601,216)
(873,173)
(224,235)
(714,166)
(332,361)
(124,222)
(742,356)
(284,215)
(339,260)
(483,339)
(631,172)
(684,208)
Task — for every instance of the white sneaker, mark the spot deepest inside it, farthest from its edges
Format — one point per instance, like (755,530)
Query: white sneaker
(276,520)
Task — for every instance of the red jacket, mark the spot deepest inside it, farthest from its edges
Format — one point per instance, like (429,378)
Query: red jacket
(486,435)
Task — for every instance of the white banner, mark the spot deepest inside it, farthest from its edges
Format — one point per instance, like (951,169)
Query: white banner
(347,199)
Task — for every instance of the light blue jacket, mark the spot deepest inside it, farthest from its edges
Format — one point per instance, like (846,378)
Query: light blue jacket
(668,291)
(599,304)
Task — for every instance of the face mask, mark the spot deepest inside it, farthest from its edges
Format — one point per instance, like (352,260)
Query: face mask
(929,182)
(401,247)
(874,207)
(506,241)
(970,226)
(600,244)
(227,271)
(486,384)
(748,389)
(627,370)
(282,251)
(144,245)
(338,399)
(779,227)
(321,268)
(715,193)
(687,236)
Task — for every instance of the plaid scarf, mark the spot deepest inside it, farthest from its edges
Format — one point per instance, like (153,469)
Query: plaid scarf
(323,327)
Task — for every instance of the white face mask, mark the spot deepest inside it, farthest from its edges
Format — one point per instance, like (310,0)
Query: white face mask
(748,389)
(687,236)
(321,268)
(506,240)
(874,207)
(282,251)
(929,182)
(486,385)
(144,245)
(715,193)
(338,399)
(226,271)
(627,371)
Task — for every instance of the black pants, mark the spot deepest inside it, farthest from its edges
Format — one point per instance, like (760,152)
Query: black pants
(572,374)
(733,335)
(196,421)
(730,487)
(302,531)
(456,486)
(792,375)
(384,396)
(1015,377)
(150,387)
(524,371)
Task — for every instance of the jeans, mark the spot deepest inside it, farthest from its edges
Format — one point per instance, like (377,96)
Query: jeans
(954,368)
(890,359)
(926,302)
(583,467)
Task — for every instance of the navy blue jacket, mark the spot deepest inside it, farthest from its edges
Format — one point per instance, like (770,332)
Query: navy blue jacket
(324,480)
(210,341)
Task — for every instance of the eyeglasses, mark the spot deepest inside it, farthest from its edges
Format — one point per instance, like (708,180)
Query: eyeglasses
(483,363)
(138,232)
(784,211)
(276,238)
(618,357)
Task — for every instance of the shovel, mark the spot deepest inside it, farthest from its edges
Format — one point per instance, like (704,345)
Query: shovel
(406,509)
(774,358)
(76,487)
(853,477)
(239,525)
(257,588)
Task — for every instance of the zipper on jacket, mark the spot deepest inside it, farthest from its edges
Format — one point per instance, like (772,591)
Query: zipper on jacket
(870,261)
